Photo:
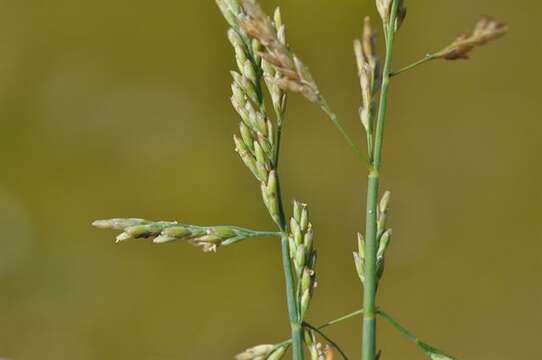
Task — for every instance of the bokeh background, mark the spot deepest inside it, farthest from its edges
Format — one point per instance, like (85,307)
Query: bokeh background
(120,108)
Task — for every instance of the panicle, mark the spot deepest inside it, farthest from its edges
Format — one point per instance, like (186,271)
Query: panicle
(208,238)
(486,29)
(293,74)
(368,72)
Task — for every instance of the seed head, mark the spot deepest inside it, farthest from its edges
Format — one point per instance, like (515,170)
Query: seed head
(118,224)
(368,71)
(487,29)
(384,8)
(294,75)
(255,353)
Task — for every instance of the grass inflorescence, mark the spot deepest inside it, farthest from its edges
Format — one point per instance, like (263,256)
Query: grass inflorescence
(266,64)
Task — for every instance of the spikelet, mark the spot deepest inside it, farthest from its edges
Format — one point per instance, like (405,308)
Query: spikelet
(262,352)
(293,74)
(256,352)
(486,29)
(383,240)
(369,74)
(384,8)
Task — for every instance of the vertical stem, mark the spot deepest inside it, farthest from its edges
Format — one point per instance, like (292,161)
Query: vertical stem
(293,311)
(386,74)
(371,241)
(369,286)
(295,323)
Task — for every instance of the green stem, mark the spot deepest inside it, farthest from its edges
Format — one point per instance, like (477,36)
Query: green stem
(295,324)
(429,350)
(425,59)
(403,330)
(334,119)
(371,241)
(251,234)
(341,319)
(369,285)
(280,124)
(266,233)
(293,311)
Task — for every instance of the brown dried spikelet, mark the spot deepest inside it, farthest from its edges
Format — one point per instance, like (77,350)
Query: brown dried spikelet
(486,29)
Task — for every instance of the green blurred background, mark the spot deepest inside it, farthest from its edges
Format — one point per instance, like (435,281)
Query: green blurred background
(120,108)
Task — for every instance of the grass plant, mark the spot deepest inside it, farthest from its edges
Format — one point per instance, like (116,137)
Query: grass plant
(266,64)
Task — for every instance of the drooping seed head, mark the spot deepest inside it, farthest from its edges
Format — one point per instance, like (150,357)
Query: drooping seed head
(294,75)
(486,29)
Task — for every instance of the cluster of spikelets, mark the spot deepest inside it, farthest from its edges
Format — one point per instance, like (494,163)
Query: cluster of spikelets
(486,30)
(263,352)
(383,240)
(293,74)
(317,350)
(208,238)
(370,76)
(303,256)
(256,144)
(262,54)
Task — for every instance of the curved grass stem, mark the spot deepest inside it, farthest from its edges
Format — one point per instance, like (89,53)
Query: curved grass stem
(335,120)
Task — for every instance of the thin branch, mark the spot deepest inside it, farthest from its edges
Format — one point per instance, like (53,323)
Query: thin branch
(423,60)
(325,325)
(342,130)
(334,344)
(429,350)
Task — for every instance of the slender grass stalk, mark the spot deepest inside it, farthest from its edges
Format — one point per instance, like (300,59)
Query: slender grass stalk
(291,299)
(295,324)
(342,130)
(371,243)
(423,60)
(429,350)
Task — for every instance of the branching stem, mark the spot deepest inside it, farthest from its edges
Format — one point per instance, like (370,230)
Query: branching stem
(325,325)
(293,311)
(371,241)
